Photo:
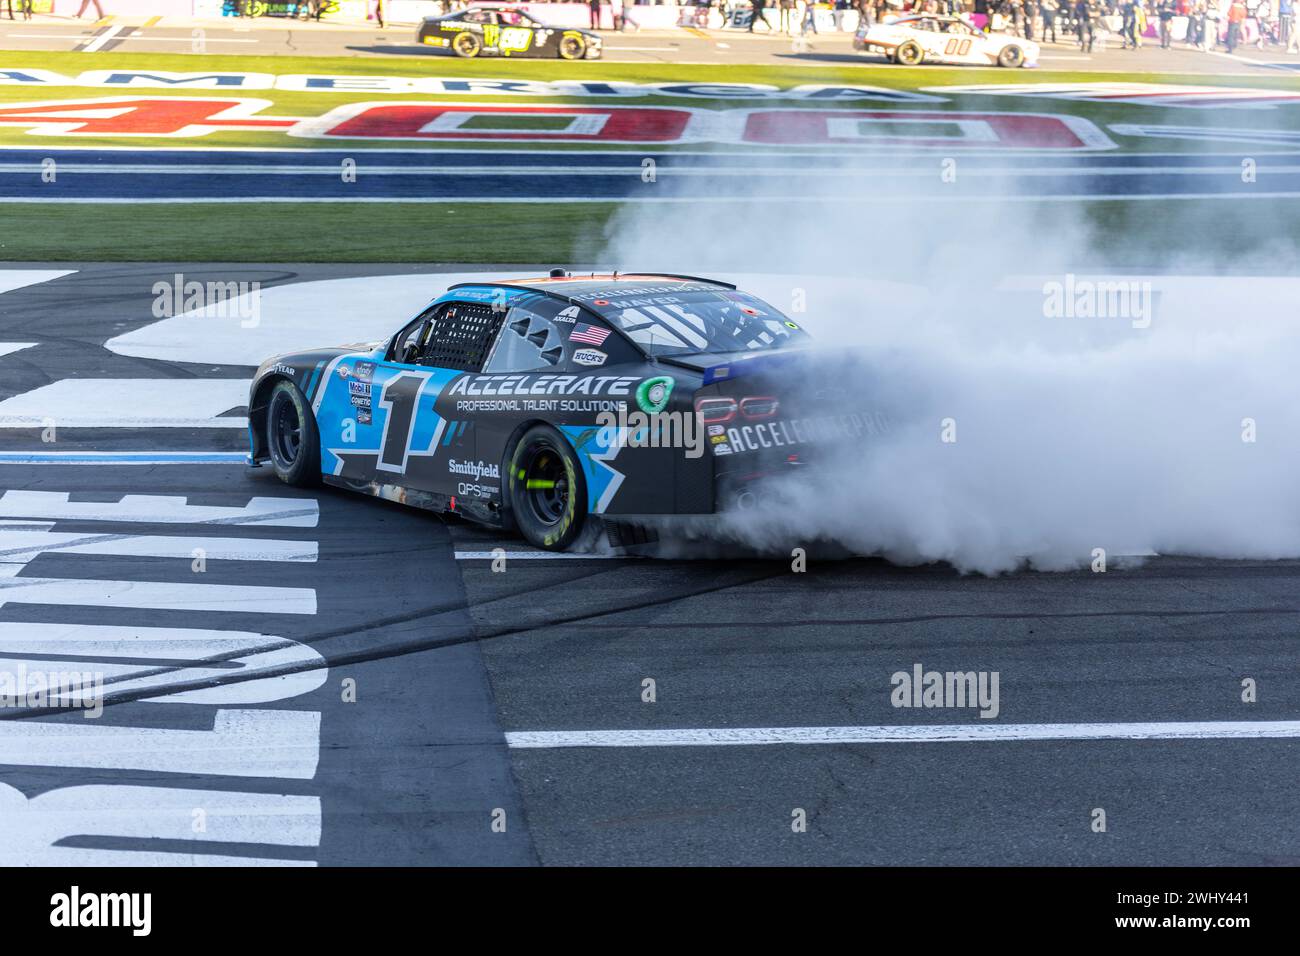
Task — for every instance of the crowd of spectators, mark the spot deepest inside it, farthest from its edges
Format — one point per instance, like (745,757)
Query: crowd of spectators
(1200,23)
(1205,21)
(1204,24)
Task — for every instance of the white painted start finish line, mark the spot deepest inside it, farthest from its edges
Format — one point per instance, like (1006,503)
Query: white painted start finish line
(934,733)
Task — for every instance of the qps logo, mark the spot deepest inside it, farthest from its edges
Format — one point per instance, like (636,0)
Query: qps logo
(75,909)
(210,300)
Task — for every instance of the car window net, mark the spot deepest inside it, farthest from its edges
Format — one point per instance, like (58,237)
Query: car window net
(462,336)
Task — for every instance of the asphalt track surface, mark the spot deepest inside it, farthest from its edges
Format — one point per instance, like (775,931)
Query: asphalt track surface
(461,670)
(274,36)
(458,175)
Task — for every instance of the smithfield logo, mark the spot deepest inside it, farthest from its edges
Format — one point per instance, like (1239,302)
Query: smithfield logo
(474,469)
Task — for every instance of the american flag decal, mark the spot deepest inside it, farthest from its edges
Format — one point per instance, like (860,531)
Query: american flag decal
(589,334)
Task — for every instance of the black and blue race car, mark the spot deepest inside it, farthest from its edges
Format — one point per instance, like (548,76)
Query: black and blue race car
(555,405)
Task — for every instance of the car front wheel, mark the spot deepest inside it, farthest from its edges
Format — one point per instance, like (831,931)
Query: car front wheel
(572,47)
(291,436)
(910,53)
(547,490)
(467,45)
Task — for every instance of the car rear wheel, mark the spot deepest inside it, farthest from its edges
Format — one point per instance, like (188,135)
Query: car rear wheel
(467,45)
(547,491)
(291,436)
(910,53)
(1011,56)
(572,47)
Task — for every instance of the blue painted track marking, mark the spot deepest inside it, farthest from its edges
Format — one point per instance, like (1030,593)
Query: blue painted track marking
(123,458)
(188,175)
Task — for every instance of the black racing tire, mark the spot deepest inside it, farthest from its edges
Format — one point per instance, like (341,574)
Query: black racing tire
(292,439)
(546,490)
(1011,56)
(909,53)
(466,44)
(572,47)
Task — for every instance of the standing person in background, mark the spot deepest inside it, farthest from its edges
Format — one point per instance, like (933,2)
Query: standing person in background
(1135,22)
(1032,13)
(787,16)
(594,7)
(809,19)
(1286,24)
(1018,17)
(1236,17)
(1196,25)
(1049,19)
(1167,10)
(1211,25)
(1264,20)
(1083,19)
(99,11)
(759,14)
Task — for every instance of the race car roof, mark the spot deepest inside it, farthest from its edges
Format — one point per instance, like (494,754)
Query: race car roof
(590,290)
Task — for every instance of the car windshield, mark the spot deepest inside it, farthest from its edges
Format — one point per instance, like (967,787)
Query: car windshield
(691,322)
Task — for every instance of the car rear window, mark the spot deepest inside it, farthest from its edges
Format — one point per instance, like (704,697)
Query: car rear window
(685,322)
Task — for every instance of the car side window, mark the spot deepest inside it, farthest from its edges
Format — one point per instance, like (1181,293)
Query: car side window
(411,340)
(527,342)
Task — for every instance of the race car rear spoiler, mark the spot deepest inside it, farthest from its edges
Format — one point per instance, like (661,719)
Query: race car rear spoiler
(738,366)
